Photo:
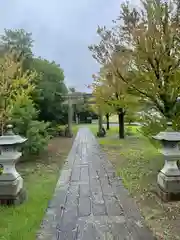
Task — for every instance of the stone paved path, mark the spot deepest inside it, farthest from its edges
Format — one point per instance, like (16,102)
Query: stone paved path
(90,202)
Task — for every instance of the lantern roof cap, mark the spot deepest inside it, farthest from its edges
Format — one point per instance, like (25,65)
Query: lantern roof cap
(9,138)
(168,136)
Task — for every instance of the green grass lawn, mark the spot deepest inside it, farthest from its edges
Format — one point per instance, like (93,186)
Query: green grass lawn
(137,158)
(23,221)
(113,118)
(137,161)
(40,177)
(92,127)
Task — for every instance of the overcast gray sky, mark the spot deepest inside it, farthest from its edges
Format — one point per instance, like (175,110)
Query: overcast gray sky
(62,30)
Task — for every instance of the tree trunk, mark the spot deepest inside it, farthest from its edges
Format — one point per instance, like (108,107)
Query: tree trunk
(121,123)
(100,121)
(74,112)
(79,118)
(107,121)
(74,117)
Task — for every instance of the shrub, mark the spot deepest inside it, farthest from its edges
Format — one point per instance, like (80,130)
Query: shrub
(129,131)
(37,136)
(22,113)
(56,130)
(23,117)
(52,131)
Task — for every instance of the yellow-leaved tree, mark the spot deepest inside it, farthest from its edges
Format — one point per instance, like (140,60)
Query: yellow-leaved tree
(143,51)
(98,103)
(13,85)
(114,96)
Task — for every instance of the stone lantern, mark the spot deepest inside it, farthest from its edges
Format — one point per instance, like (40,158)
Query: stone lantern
(11,183)
(169,177)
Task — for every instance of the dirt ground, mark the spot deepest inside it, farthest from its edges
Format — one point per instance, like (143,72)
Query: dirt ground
(54,156)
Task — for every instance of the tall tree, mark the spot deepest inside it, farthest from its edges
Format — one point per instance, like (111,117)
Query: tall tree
(50,90)
(99,100)
(20,42)
(17,39)
(114,96)
(143,52)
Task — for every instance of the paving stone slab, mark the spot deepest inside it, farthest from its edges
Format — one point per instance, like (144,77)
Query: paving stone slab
(102,227)
(84,173)
(76,174)
(84,206)
(84,190)
(90,202)
(113,206)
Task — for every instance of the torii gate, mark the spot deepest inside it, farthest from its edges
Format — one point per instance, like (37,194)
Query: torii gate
(72,97)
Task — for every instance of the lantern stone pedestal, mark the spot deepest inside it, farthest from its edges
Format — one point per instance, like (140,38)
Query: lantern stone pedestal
(11,183)
(168,179)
